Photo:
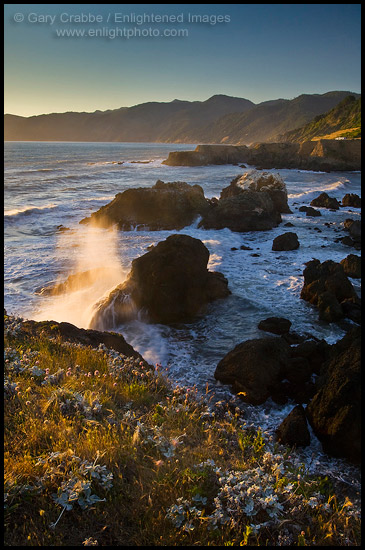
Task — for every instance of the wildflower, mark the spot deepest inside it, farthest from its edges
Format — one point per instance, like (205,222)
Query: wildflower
(90,542)
(96,373)
(27,403)
(159,463)
(89,374)
(47,371)
(114,385)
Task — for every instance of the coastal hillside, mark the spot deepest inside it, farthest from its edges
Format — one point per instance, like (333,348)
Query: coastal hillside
(101,449)
(220,119)
(270,118)
(344,120)
(176,121)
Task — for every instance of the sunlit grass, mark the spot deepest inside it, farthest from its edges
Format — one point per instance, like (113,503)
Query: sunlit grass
(101,449)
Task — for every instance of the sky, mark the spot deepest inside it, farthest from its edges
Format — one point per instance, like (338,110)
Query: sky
(122,55)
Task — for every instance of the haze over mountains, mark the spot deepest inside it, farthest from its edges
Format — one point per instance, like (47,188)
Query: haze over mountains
(220,119)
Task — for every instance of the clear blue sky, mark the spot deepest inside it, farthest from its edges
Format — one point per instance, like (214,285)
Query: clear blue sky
(261,52)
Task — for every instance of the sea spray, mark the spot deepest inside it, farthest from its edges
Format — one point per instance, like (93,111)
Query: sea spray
(93,249)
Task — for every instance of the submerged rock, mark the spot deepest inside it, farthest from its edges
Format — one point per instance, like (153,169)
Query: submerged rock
(171,205)
(169,284)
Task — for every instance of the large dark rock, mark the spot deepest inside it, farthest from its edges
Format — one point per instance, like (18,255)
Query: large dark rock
(287,241)
(354,229)
(172,205)
(293,430)
(351,199)
(335,411)
(253,367)
(326,286)
(325,201)
(257,180)
(275,325)
(270,367)
(310,211)
(248,211)
(171,283)
(352,266)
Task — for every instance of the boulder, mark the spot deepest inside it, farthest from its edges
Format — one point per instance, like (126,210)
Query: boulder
(352,266)
(172,205)
(326,286)
(325,201)
(270,367)
(169,284)
(293,430)
(248,211)
(354,229)
(253,367)
(287,241)
(256,180)
(312,212)
(275,325)
(335,411)
(351,199)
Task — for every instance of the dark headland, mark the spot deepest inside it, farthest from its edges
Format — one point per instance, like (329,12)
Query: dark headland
(324,154)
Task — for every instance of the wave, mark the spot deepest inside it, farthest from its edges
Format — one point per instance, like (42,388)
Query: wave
(27,210)
(34,171)
(335,186)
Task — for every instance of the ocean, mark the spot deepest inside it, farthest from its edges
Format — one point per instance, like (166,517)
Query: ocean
(50,187)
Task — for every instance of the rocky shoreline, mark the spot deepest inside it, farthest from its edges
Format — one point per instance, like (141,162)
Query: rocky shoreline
(323,155)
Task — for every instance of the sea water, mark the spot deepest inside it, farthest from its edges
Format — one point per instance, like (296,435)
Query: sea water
(50,187)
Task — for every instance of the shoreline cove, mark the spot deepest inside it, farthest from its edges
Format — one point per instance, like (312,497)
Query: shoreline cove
(70,183)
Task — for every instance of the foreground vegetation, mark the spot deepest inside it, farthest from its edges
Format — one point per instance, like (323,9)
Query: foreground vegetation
(102,450)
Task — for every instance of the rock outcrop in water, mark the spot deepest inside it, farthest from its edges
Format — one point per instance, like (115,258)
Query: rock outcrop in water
(169,284)
(327,287)
(327,377)
(252,202)
(324,154)
(249,211)
(325,201)
(257,180)
(269,367)
(171,205)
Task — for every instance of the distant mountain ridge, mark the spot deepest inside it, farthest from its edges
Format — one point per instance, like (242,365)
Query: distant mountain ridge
(220,119)
(343,120)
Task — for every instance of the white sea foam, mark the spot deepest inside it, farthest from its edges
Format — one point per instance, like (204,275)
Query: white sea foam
(28,210)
